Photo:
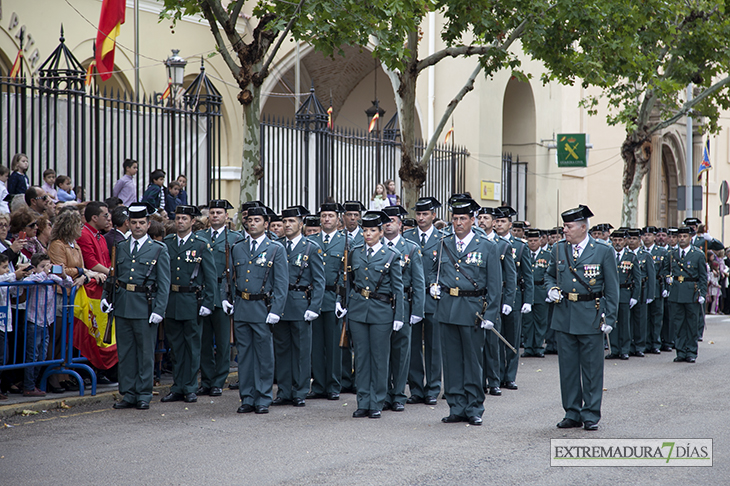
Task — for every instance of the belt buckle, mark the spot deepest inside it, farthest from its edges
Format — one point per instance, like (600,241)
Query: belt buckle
(573,296)
(365,293)
(131,287)
(680,279)
(245,295)
(454,292)
(175,288)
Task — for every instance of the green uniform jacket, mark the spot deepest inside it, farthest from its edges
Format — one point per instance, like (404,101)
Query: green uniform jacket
(660,255)
(183,261)
(692,270)
(365,274)
(509,270)
(305,265)
(429,253)
(250,271)
(411,263)
(333,260)
(629,277)
(597,262)
(219,255)
(539,267)
(521,256)
(648,275)
(480,260)
(133,305)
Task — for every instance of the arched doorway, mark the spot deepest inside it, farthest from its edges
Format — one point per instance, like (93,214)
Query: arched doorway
(518,139)
(668,215)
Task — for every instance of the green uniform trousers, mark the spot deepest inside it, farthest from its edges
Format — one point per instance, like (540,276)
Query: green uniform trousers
(424,375)
(639,318)
(509,361)
(655,321)
(491,356)
(215,349)
(293,357)
(255,347)
(580,360)
(326,354)
(400,360)
(136,350)
(686,318)
(372,351)
(621,336)
(534,327)
(462,348)
(184,339)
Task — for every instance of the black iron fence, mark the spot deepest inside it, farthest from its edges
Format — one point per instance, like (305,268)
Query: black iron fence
(59,124)
(514,184)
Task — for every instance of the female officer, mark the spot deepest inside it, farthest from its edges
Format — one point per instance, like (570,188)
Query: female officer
(376,309)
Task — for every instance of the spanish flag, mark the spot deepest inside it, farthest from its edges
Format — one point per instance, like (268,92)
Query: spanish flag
(89,326)
(705,164)
(168,90)
(373,122)
(89,73)
(15,70)
(329,118)
(448,135)
(110,22)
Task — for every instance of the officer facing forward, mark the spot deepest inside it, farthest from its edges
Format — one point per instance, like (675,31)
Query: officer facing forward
(583,281)
(141,290)
(535,323)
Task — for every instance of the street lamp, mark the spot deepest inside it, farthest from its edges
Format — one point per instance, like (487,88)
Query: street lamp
(175,68)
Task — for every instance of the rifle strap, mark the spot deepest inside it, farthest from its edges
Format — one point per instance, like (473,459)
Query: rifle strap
(304,262)
(458,267)
(268,269)
(382,275)
(194,275)
(568,260)
(151,266)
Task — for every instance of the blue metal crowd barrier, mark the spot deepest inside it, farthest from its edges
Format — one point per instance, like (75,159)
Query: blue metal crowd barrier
(19,347)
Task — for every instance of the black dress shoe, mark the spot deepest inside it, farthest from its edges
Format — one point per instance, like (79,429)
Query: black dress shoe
(246,408)
(173,397)
(495,391)
(637,354)
(699,339)
(191,398)
(260,409)
(475,420)
(360,413)
(142,405)
(397,407)
(233,386)
(527,355)
(203,391)
(374,414)
(430,401)
(452,419)
(678,360)
(612,356)
(665,348)
(386,406)
(215,391)
(510,385)
(690,360)
(623,356)
(55,389)
(314,396)
(282,401)
(333,396)
(654,351)
(299,402)
(567,423)
(412,400)
(590,426)
(122,405)
(540,355)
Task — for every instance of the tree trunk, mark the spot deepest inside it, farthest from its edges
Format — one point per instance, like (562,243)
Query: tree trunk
(251,169)
(636,152)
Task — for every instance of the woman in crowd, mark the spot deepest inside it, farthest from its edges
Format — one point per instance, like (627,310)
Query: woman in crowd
(379,201)
(23,225)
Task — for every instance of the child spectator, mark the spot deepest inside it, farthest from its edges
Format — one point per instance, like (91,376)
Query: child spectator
(80,194)
(6,319)
(125,188)
(18,182)
(390,192)
(183,196)
(155,192)
(379,201)
(171,199)
(4,174)
(65,192)
(49,181)
(40,314)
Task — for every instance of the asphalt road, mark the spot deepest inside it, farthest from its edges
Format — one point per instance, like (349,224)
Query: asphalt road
(208,443)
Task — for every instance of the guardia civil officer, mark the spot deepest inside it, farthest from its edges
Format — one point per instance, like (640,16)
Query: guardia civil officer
(293,334)
(524,295)
(468,286)
(140,291)
(687,282)
(193,279)
(215,348)
(375,306)
(424,375)
(414,288)
(535,323)
(629,279)
(639,313)
(326,354)
(656,307)
(583,281)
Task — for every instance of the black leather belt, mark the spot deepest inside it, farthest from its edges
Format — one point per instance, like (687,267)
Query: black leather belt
(332,288)
(539,282)
(682,278)
(369,294)
(185,289)
(299,288)
(137,288)
(457,292)
(247,296)
(575,297)
(626,285)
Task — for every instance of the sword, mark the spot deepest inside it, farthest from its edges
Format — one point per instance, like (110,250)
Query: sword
(438,270)
(499,335)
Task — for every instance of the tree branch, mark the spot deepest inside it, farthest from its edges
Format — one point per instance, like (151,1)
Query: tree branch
(228,24)
(264,69)
(236,11)
(208,14)
(468,86)
(690,104)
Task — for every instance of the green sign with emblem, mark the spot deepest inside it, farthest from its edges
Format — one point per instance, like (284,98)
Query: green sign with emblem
(571,150)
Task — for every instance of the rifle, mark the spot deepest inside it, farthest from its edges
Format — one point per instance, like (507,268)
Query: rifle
(230,284)
(112,290)
(344,342)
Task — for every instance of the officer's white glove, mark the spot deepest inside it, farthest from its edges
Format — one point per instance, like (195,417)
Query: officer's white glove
(526,308)
(606,328)
(632,303)
(397,325)
(106,307)
(553,295)
(707,236)
(487,325)
(506,309)
(701,299)
(204,311)
(339,311)
(227,307)
(649,301)
(435,291)
(665,294)
(416,319)
(155,318)
(272,318)
(310,316)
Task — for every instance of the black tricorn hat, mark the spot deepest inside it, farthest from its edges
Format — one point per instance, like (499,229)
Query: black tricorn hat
(692,221)
(251,204)
(312,221)
(507,212)
(518,224)
(651,229)
(295,212)
(258,211)
(459,197)
(427,204)
(396,210)
(576,214)
(354,206)
(619,233)
(332,206)
(633,232)
(532,233)
(191,211)
(494,212)
(685,230)
(141,210)
(464,206)
(374,219)
(672,230)
(409,223)
(219,204)
(661,230)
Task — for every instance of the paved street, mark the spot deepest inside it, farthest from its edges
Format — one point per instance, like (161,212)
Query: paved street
(208,443)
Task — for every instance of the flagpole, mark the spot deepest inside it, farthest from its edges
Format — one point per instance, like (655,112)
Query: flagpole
(136,48)
(707,199)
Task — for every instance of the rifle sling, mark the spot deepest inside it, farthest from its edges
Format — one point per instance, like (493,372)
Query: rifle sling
(457,267)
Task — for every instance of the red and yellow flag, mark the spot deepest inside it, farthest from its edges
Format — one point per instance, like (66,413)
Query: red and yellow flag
(329,118)
(448,135)
(110,22)
(15,70)
(373,122)
(89,73)
(89,327)
(168,90)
